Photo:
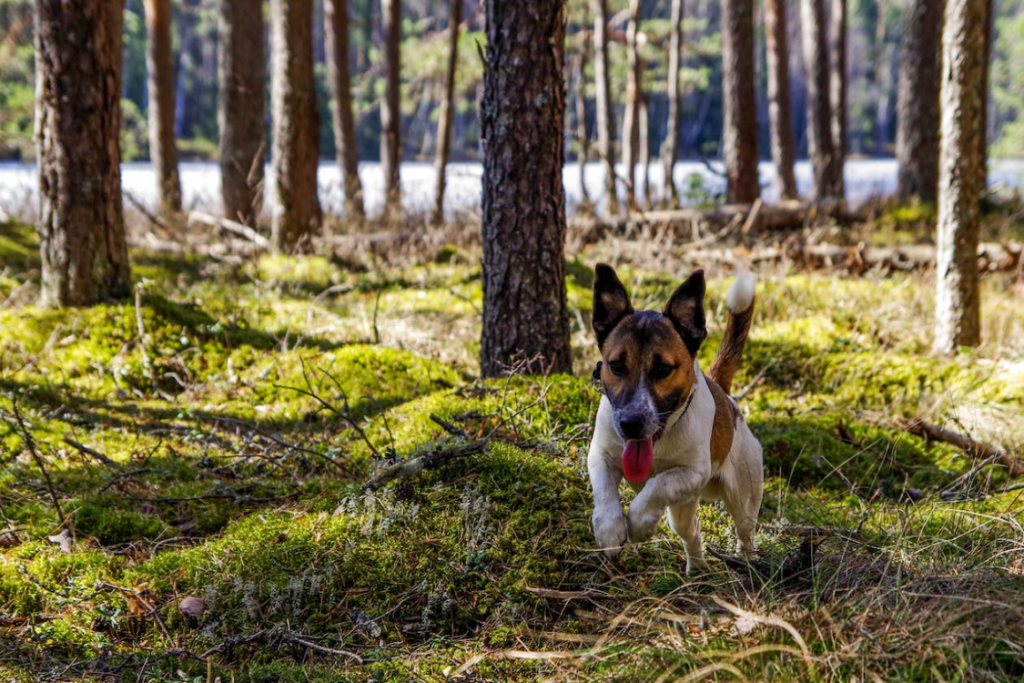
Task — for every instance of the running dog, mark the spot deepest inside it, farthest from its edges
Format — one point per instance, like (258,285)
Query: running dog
(671,430)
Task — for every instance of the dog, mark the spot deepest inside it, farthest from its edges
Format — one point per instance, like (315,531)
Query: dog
(674,433)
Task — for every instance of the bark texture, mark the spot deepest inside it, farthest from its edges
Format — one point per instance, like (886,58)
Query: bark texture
(602,103)
(78,123)
(837,95)
(780,110)
(241,75)
(958,309)
(390,106)
(917,133)
(819,110)
(739,101)
(670,151)
(525,317)
(160,83)
(345,146)
(444,122)
(634,93)
(296,149)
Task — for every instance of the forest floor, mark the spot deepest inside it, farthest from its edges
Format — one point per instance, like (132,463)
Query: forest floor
(182,482)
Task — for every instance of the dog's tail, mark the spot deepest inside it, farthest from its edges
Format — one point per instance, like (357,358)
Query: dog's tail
(740,301)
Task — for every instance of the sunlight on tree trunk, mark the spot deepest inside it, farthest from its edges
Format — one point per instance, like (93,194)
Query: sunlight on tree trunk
(78,123)
(739,101)
(819,110)
(602,102)
(296,121)
(780,110)
(957,311)
(390,107)
(631,119)
(670,150)
(522,114)
(345,141)
(444,122)
(160,67)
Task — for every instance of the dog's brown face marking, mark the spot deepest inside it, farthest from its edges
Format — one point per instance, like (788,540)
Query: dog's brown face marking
(648,358)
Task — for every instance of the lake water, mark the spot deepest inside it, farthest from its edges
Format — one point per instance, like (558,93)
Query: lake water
(865,179)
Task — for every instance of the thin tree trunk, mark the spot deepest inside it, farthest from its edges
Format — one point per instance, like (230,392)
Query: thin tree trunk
(346,147)
(444,123)
(390,106)
(525,317)
(739,101)
(837,96)
(602,102)
(958,314)
(670,151)
(917,133)
(883,82)
(160,84)
(78,124)
(819,110)
(779,105)
(983,138)
(631,118)
(296,149)
(645,150)
(582,135)
(241,75)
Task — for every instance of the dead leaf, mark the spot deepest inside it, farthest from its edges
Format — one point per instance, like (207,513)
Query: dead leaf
(63,539)
(744,625)
(192,607)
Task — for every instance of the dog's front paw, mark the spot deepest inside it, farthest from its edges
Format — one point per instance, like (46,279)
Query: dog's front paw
(643,522)
(610,532)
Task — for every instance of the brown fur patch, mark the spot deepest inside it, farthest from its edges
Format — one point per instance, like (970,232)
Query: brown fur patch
(724,426)
(731,351)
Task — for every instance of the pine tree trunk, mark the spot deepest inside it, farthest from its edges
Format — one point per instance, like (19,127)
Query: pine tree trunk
(643,131)
(631,118)
(602,102)
(917,133)
(739,101)
(296,147)
(444,122)
(78,123)
(883,82)
(345,143)
(243,142)
(958,306)
(670,151)
(779,106)
(390,106)
(525,318)
(837,96)
(160,83)
(582,136)
(819,110)
(983,139)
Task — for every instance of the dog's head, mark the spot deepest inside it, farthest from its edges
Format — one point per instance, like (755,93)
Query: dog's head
(647,370)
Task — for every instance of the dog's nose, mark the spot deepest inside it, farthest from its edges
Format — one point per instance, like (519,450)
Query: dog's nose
(632,425)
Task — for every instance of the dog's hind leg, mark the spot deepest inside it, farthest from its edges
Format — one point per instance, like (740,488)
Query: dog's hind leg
(742,499)
(683,520)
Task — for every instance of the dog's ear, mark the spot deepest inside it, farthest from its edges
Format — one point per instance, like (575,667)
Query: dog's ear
(686,311)
(611,302)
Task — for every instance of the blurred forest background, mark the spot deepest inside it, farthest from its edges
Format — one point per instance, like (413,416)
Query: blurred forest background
(875,30)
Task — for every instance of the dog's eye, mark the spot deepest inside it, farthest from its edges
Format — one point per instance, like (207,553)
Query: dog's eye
(661,371)
(617,367)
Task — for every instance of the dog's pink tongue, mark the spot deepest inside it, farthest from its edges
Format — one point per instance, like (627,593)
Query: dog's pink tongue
(637,458)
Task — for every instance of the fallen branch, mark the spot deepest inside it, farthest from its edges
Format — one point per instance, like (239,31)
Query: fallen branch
(90,451)
(433,459)
(978,450)
(553,594)
(230,226)
(272,636)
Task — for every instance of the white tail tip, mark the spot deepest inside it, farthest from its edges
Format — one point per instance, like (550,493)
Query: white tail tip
(741,294)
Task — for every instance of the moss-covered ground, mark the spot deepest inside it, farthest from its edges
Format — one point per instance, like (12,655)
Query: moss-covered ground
(203,450)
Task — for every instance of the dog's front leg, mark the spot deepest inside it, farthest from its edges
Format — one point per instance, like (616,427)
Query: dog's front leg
(609,520)
(677,486)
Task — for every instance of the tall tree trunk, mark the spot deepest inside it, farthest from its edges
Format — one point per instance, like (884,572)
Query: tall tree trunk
(444,122)
(160,84)
(819,111)
(296,125)
(241,75)
(739,101)
(837,95)
(390,106)
(779,105)
(958,305)
(644,134)
(525,318)
(582,136)
(917,132)
(883,81)
(78,124)
(670,151)
(602,102)
(631,118)
(345,144)
(983,140)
